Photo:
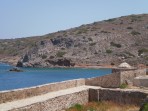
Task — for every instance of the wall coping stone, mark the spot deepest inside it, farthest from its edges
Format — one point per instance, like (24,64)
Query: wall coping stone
(39,86)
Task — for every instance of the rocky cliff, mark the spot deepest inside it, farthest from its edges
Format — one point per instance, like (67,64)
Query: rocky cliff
(106,42)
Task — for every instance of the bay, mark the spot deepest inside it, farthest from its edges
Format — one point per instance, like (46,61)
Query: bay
(39,76)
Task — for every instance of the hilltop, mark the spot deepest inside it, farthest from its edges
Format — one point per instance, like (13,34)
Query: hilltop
(105,42)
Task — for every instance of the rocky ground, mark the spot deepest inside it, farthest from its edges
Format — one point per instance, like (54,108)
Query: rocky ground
(106,42)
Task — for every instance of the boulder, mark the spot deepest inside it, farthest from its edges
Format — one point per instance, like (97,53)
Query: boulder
(15,69)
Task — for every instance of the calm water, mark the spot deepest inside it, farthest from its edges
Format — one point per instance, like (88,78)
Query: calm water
(38,76)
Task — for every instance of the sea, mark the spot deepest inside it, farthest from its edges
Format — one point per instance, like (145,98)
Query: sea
(39,76)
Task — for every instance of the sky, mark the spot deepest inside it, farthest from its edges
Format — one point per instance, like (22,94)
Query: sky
(24,18)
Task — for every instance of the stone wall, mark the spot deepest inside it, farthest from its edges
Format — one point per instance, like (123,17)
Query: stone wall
(141,81)
(58,103)
(121,96)
(128,76)
(110,80)
(6,96)
(117,78)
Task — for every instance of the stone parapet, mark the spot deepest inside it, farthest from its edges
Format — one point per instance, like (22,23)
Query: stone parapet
(110,80)
(12,95)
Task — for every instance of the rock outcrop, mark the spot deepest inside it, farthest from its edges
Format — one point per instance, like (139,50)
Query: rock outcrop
(15,69)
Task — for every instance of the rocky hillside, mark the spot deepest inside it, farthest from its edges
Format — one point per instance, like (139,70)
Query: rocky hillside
(106,42)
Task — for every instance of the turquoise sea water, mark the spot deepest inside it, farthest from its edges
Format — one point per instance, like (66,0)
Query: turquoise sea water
(38,76)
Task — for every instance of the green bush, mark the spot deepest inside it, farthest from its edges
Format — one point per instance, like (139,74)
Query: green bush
(144,107)
(115,45)
(104,31)
(78,107)
(141,51)
(80,31)
(110,20)
(51,57)
(91,109)
(92,44)
(129,28)
(146,57)
(130,54)
(108,51)
(135,18)
(44,56)
(90,39)
(135,33)
(123,86)
(60,54)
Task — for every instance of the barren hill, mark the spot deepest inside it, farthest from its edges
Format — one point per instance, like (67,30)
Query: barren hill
(106,42)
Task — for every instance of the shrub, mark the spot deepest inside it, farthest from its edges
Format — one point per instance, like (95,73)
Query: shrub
(112,64)
(110,20)
(62,48)
(129,27)
(104,31)
(146,57)
(80,31)
(51,57)
(135,18)
(78,107)
(115,45)
(123,86)
(60,54)
(85,49)
(135,33)
(44,56)
(90,39)
(130,54)
(144,107)
(141,51)
(92,44)
(108,51)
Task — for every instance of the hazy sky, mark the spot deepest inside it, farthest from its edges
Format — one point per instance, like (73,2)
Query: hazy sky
(23,18)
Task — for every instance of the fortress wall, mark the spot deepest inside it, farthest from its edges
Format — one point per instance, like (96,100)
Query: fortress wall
(110,80)
(58,103)
(11,95)
(122,96)
(128,76)
(141,81)
(115,79)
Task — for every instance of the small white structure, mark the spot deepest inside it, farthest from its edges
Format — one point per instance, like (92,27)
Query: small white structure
(124,65)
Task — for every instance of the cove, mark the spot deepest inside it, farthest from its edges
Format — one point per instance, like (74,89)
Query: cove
(39,76)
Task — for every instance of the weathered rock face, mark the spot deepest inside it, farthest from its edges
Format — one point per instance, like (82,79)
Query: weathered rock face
(19,64)
(26,58)
(60,41)
(61,62)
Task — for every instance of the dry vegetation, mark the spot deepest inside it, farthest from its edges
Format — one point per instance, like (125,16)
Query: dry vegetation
(103,106)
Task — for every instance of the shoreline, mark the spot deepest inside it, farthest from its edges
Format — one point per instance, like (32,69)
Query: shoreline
(13,62)
(76,66)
